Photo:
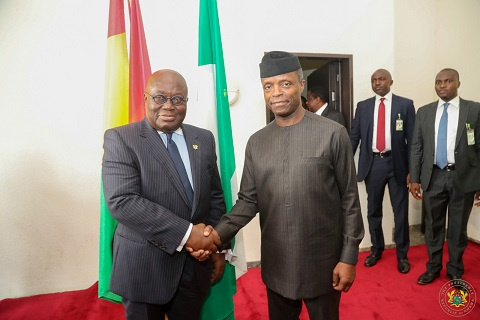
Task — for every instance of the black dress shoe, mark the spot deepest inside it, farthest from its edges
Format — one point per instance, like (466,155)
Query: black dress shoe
(453,277)
(457,281)
(403,265)
(372,259)
(428,277)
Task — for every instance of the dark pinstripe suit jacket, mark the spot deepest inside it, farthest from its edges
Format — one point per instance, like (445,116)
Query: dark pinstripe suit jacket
(467,157)
(144,194)
(301,179)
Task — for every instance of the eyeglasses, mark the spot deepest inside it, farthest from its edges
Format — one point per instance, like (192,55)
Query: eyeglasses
(160,99)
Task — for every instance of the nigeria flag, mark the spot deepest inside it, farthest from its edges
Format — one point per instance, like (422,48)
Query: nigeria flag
(213,100)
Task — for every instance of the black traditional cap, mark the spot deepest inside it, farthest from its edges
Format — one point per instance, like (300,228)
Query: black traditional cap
(278,62)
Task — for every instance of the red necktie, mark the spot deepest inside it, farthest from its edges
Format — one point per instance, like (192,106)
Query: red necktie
(381,126)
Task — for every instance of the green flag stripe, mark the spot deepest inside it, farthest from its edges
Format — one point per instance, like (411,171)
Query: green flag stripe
(219,303)
(210,52)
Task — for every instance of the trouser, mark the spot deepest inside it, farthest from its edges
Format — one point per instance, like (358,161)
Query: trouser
(441,195)
(324,307)
(381,173)
(186,304)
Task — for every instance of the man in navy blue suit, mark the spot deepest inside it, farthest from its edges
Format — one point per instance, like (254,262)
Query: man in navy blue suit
(384,125)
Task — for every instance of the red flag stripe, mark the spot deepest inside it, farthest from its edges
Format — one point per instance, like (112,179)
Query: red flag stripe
(116,20)
(140,68)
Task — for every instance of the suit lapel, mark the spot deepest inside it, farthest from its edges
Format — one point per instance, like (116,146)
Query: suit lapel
(194,152)
(394,115)
(430,124)
(462,120)
(371,121)
(325,112)
(154,143)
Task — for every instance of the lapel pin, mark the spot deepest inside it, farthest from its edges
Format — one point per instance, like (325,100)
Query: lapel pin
(195,147)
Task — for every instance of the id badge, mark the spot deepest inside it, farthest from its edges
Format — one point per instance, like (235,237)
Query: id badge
(470,137)
(399,123)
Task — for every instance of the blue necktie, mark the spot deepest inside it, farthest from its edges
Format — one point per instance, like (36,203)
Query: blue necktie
(442,139)
(177,160)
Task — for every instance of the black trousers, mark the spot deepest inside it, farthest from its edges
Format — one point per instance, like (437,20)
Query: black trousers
(381,173)
(324,307)
(186,304)
(442,194)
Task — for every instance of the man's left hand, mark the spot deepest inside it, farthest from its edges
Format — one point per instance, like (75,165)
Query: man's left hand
(218,260)
(477,198)
(343,276)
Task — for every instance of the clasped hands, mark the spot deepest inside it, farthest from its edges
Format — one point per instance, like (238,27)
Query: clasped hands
(203,241)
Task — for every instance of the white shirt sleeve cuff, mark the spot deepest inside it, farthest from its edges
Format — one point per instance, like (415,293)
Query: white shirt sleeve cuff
(228,255)
(185,238)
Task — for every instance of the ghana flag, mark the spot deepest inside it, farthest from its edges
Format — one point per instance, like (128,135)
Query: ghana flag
(115,114)
(123,104)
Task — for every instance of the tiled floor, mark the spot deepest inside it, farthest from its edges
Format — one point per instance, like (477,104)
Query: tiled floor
(416,238)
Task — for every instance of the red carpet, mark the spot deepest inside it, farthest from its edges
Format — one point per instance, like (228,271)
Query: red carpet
(380,292)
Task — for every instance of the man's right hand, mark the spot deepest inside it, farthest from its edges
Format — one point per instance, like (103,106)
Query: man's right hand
(415,190)
(200,241)
(202,255)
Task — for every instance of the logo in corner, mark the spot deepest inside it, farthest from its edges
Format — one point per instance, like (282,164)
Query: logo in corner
(457,298)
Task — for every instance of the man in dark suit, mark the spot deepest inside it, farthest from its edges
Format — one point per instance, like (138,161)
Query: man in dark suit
(317,102)
(445,162)
(162,185)
(384,125)
(299,175)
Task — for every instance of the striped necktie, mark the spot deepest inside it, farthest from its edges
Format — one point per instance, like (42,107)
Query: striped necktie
(177,160)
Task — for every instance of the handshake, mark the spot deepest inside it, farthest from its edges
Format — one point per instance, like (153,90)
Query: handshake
(203,241)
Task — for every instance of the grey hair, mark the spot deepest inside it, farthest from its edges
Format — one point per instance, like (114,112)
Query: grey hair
(299,73)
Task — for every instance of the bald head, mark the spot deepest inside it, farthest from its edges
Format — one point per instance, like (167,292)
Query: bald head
(451,71)
(383,72)
(166,75)
(381,82)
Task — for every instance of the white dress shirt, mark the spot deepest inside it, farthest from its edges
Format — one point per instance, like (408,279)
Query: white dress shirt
(322,108)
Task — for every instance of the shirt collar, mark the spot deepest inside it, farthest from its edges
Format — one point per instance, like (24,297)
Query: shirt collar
(388,96)
(322,108)
(179,131)
(454,102)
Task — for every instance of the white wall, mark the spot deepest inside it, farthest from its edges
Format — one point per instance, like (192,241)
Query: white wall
(52,67)
(445,32)
(457,36)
